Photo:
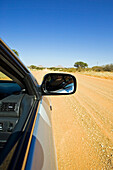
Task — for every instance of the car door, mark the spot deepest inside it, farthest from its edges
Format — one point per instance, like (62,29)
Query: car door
(26,136)
(30,145)
(42,149)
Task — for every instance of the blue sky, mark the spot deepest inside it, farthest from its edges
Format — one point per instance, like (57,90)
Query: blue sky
(59,32)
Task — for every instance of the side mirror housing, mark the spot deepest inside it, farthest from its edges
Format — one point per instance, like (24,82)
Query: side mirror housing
(58,84)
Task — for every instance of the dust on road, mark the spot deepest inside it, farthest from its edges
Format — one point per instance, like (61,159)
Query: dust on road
(83,124)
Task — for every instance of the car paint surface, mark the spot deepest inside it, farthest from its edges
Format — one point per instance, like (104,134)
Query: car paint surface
(42,154)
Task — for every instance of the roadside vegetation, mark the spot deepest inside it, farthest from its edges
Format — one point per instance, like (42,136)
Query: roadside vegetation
(105,71)
(108,67)
(82,68)
(63,69)
(16,52)
(4,77)
(103,74)
(33,67)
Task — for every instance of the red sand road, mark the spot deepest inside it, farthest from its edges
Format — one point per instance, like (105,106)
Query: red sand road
(83,124)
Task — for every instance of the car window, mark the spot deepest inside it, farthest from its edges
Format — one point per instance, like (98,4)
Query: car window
(8,86)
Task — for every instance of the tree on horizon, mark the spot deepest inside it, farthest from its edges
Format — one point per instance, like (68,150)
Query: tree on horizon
(80,64)
(15,52)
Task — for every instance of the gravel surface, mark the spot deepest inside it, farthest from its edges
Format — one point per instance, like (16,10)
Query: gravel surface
(83,124)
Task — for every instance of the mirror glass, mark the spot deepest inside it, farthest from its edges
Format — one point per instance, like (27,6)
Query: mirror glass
(58,83)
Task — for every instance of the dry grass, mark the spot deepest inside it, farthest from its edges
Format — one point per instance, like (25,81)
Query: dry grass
(4,77)
(106,75)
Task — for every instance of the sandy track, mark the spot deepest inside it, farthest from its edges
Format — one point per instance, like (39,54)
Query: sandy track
(83,125)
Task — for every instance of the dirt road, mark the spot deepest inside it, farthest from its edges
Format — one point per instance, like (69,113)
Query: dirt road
(83,125)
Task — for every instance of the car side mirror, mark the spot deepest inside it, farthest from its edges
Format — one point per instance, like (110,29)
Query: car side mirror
(58,84)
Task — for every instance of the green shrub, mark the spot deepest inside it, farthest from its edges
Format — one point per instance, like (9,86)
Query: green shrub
(108,67)
(35,67)
(97,68)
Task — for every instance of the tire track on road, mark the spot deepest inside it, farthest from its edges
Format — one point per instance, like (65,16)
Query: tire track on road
(98,139)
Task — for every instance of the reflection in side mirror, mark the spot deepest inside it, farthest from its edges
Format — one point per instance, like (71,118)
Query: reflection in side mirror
(58,83)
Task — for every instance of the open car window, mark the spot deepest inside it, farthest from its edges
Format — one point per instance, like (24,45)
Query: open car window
(18,106)
(15,107)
